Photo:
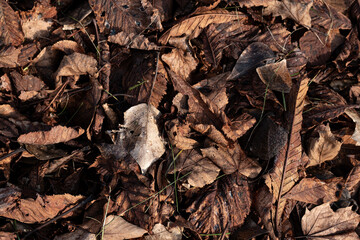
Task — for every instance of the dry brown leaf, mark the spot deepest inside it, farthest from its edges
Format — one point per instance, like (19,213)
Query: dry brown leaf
(225,203)
(32,211)
(140,135)
(7,111)
(27,82)
(315,191)
(8,236)
(37,22)
(350,51)
(57,134)
(46,63)
(353,180)
(5,83)
(276,76)
(255,55)
(323,223)
(68,47)
(284,174)
(354,115)
(179,134)
(192,26)
(116,228)
(10,33)
(130,16)
(76,64)
(239,126)
(78,234)
(161,233)
(9,56)
(324,148)
(181,62)
(132,40)
(296,10)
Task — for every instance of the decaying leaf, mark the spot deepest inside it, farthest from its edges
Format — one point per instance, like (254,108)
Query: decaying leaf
(284,174)
(298,10)
(9,57)
(117,228)
(133,40)
(354,115)
(353,180)
(140,135)
(57,134)
(323,223)
(193,26)
(181,62)
(324,148)
(276,76)
(255,55)
(178,134)
(161,233)
(27,82)
(76,235)
(11,33)
(225,203)
(36,210)
(315,191)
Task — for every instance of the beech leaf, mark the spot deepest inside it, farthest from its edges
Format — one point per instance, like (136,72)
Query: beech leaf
(117,229)
(11,33)
(322,222)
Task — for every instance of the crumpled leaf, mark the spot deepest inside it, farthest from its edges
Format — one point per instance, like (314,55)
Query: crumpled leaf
(315,191)
(161,233)
(356,118)
(76,64)
(27,82)
(37,210)
(78,234)
(9,57)
(193,26)
(225,203)
(255,55)
(179,133)
(181,62)
(296,10)
(353,180)
(140,135)
(133,40)
(57,134)
(116,228)
(323,223)
(324,148)
(276,76)
(11,33)
(130,16)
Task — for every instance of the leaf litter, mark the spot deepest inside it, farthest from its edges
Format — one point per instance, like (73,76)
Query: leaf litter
(179,119)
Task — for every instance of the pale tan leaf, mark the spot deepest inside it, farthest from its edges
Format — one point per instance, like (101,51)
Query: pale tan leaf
(239,126)
(181,62)
(68,47)
(78,234)
(7,111)
(10,33)
(296,10)
(116,228)
(9,57)
(315,191)
(57,134)
(354,115)
(140,135)
(324,148)
(132,40)
(37,210)
(161,233)
(276,76)
(193,26)
(322,222)
(8,236)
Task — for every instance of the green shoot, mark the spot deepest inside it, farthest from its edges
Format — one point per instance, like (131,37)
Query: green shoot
(137,85)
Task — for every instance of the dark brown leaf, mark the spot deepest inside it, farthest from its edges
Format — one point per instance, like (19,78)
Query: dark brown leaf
(226,202)
(9,56)
(133,40)
(57,134)
(353,180)
(11,33)
(27,82)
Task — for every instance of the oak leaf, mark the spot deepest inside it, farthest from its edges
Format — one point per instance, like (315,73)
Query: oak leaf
(322,222)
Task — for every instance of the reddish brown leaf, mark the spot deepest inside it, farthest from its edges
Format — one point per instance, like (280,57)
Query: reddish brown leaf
(181,62)
(31,211)
(9,57)
(27,82)
(11,33)
(353,180)
(57,134)
(323,223)
(315,191)
(68,47)
(179,135)
(225,203)
(133,40)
